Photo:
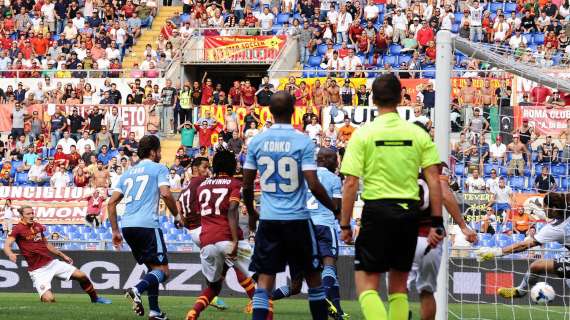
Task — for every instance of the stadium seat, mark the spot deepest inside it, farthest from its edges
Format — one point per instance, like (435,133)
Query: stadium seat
(517,237)
(459,169)
(487,167)
(494,6)
(282,18)
(455,28)
(429,72)
(510,7)
(391,60)
(539,226)
(538,38)
(404,58)
(533,47)
(558,170)
(484,236)
(564,183)
(528,37)
(517,183)
(395,49)
(458,17)
(322,49)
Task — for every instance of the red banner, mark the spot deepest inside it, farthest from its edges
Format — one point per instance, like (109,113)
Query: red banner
(242,48)
(546,120)
(52,205)
(134,116)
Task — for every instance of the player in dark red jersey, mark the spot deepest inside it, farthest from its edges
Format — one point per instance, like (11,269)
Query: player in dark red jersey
(221,238)
(28,235)
(426,261)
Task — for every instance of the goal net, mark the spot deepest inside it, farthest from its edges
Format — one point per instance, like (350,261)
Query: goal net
(522,94)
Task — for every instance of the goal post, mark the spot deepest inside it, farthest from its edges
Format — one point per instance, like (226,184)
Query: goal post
(444,61)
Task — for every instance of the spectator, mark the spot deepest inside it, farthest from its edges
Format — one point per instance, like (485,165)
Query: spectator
(174,180)
(81,177)
(236,143)
(521,221)
(59,179)
(66,142)
(205,132)
(497,151)
(104,138)
(474,183)
(169,100)
(502,198)
(95,203)
(37,173)
(115,124)
(545,151)
(492,183)
(100,176)
(345,132)
(85,142)
(104,156)
(489,221)
(130,144)
(250,132)
(517,163)
(544,182)
(314,129)
(8,218)
(19,116)
(76,125)
(475,21)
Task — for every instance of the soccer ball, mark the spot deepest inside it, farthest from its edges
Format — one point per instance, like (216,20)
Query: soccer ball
(542,293)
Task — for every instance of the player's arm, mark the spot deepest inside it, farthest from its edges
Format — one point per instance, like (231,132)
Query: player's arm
(233,220)
(178,222)
(166,195)
(56,252)
(348,198)
(485,254)
(318,190)
(8,248)
(116,197)
(248,197)
(431,173)
(452,207)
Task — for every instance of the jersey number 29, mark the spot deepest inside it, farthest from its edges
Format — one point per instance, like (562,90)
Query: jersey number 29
(287,169)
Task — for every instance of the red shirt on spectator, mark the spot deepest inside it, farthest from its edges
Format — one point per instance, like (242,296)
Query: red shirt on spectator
(167,30)
(60,157)
(235,95)
(381,41)
(129,8)
(32,244)
(342,52)
(430,53)
(27,50)
(97,53)
(6,43)
(250,19)
(9,23)
(207,94)
(539,94)
(354,31)
(40,45)
(425,35)
(248,95)
(50,168)
(74,159)
(205,135)
(81,181)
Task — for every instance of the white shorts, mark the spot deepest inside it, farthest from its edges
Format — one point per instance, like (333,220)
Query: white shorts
(195,234)
(213,258)
(42,277)
(554,232)
(425,267)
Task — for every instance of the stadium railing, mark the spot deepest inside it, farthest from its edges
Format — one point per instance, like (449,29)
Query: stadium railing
(79,73)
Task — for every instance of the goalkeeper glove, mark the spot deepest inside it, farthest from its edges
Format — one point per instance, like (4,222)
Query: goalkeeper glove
(486,253)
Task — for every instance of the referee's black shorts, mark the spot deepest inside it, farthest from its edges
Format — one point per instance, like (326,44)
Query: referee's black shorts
(388,236)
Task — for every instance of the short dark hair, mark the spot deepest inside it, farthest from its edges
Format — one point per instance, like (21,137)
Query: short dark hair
(224,162)
(386,91)
(147,144)
(282,103)
(198,161)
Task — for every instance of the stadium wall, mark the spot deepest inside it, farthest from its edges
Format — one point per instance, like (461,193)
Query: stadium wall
(111,272)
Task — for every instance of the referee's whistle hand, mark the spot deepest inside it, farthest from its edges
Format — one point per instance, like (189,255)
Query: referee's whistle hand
(434,238)
(346,236)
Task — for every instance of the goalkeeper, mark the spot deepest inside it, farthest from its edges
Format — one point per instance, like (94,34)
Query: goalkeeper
(556,206)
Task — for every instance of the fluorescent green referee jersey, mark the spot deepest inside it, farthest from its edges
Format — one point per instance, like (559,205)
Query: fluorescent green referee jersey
(387,154)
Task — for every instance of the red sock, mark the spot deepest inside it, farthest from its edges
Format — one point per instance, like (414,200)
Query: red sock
(204,300)
(88,288)
(246,283)
(270,313)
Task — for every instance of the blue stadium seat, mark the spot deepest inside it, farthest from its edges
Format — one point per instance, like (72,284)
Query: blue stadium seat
(504,242)
(533,47)
(395,49)
(322,49)
(487,243)
(459,169)
(455,28)
(517,237)
(528,37)
(484,236)
(282,18)
(429,72)
(510,7)
(458,17)
(494,6)
(564,183)
(314,61)
(391,60)
(487,167)
(558,170)
(517,183)
(557,58)
(171,237)
(538,38)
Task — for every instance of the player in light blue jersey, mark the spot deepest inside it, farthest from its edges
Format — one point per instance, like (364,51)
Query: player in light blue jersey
(285,159)
(325,231)
(141,188)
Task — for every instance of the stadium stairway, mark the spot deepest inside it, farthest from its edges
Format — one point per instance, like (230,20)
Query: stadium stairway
(149,36)
(170,145)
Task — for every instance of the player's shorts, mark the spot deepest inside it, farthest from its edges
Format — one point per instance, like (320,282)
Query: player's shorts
(147,245)
(562,266)
(195,234)
(213,259)
(388,236)
(42,277)
(279,243)
(425,267)
(327,241)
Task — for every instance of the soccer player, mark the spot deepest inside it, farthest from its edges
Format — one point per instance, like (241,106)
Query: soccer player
(388,154)
(29,236)
(324,221)
(426,263)
(189,207)
(221,237)
(285,160)
(556,207)
(141,187)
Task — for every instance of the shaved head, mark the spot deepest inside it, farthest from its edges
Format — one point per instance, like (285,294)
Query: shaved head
(327,158)
(282,105)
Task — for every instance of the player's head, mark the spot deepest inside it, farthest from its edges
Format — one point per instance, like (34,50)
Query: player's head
(386,91)
(201,167)
(327,158)
(282,105)
(27,214)
(224,163)
(149,148)
(556,204)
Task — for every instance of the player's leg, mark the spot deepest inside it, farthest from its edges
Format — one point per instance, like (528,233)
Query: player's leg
(532,276)
(87,286)
(287,291)
(159,274)
(328,248)
(426,282)
(268,259)
(241,266)
(368,297)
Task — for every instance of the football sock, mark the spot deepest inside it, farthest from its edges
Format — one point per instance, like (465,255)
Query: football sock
(529,280)
(260,304)
(246,283)
(330,283)
(280,293)
(372,306)
(152,292)
(398,307)
(154,277)
(270,313)
(204,299)
(87,286)
(318,304)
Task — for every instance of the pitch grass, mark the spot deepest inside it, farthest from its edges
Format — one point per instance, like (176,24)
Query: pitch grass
(25,306)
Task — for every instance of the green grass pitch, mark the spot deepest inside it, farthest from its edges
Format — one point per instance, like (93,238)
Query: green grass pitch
(24,306)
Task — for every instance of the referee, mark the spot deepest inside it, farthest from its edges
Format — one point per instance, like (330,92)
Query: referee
(388,154)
